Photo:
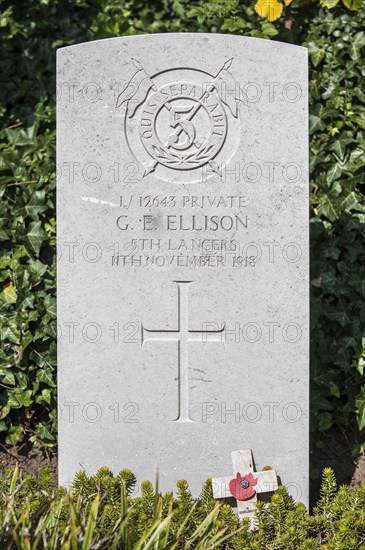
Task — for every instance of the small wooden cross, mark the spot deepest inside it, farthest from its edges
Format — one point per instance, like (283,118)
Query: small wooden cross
(245,484)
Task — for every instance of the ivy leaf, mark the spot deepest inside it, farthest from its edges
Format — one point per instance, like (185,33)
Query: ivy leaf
(7,377)
(318,401)
(37,268)
(37,204)
(327,208)
(329,3)
(356,45)
(360,404)
(50,305)
(361,365)
(340,316)
(334,389)
(353,4)
(339,147)
(9,294)
(334,172)
(44,432)
(10,332)
(316,53)
(358,284)
(36,235)
(315,123)
(44,397)
(3,426)
(324,421)
(18,399)
(45,375)
(14,435)
(268,29)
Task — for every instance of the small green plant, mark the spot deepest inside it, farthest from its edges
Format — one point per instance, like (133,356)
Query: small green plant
(100,512)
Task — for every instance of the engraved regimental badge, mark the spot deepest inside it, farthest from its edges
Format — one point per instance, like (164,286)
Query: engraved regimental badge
(181,120)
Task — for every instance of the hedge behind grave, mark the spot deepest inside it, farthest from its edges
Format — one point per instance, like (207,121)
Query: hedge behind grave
(30,33)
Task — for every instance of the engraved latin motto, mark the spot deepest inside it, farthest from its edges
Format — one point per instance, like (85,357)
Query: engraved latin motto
(183,127)
(181,120)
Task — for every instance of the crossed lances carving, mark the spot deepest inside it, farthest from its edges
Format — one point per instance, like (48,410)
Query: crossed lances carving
(245,484)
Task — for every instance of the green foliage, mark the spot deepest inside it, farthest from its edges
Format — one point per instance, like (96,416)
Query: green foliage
(30,32)
(99,512)
(338,248)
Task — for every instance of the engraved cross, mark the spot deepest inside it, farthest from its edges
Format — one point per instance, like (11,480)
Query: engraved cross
(182,335)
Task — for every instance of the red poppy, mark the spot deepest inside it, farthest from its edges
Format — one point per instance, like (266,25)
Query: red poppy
(242,488)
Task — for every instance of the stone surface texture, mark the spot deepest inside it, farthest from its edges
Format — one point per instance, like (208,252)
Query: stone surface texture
(182,213)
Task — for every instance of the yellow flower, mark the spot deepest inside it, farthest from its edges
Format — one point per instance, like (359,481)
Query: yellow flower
(271,9)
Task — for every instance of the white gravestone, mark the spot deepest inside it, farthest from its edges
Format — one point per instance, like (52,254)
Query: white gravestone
(182,200)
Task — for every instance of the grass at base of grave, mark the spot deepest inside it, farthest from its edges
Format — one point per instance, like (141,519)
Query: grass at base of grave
(335,451)
(102,512)
(31,32)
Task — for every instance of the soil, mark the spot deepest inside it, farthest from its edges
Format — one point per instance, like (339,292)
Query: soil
(335,451)
(29,459)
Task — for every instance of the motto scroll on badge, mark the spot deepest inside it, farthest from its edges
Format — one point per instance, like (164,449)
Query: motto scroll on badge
(183,123)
